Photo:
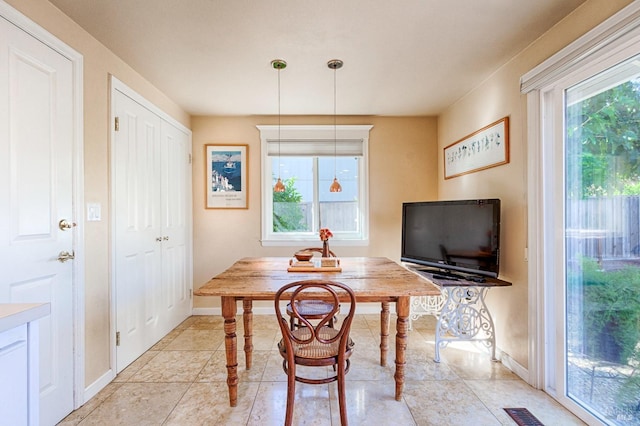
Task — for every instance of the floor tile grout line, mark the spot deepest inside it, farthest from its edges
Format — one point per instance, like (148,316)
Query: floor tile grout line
(177,403)
(195,380)
(484,404)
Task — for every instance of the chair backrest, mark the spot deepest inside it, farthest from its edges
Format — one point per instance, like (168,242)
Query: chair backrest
(329,291)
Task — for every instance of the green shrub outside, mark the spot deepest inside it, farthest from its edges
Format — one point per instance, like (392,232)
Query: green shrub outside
(611,311)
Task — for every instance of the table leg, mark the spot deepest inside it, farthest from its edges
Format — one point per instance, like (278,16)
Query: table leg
(384,333)
(488,323)
(402,328)
(247,318)
(444,318)
(229,311)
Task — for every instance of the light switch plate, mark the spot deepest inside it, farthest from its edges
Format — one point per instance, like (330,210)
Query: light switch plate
(93,212)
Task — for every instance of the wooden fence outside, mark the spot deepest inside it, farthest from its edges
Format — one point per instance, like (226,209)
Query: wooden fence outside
(604,228)
(338,216)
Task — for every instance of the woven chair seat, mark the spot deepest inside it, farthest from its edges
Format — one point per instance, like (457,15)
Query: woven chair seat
(311,308)
(315,350)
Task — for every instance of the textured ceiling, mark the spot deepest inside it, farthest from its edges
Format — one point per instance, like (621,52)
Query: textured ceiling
(410,57)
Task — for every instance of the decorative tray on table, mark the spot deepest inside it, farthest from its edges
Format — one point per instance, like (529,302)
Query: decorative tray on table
(324,264)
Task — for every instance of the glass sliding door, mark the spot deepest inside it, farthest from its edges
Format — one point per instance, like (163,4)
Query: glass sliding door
(602,244)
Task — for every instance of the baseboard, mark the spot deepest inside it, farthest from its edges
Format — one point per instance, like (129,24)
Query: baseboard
(512,365)
(95,387)
(363,308)
(206,311)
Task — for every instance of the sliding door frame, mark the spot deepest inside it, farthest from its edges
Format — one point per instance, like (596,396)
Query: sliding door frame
(611,42)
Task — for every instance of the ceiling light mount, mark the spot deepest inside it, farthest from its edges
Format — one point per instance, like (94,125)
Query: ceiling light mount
(335,64)
(278,64)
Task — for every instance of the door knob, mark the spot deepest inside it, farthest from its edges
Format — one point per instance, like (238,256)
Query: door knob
(65,255)
(64,225)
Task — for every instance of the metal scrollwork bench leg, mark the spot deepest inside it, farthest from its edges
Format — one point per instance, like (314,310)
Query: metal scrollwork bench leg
(464,317)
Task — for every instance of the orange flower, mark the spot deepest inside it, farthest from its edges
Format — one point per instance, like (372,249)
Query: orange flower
(325,234)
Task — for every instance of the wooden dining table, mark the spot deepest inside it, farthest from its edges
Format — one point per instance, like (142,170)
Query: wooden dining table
(372,279)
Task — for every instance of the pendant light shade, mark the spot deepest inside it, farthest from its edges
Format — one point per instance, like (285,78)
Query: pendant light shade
(335,186)
(279,186)
(279,64)
(335,64)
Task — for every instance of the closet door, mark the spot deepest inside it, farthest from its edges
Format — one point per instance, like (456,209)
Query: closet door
(175,304)
(138,229)
(152,224)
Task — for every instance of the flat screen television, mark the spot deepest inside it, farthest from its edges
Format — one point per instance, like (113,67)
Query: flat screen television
(462,235)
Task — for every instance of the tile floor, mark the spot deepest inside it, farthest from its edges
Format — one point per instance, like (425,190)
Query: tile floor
(182,381)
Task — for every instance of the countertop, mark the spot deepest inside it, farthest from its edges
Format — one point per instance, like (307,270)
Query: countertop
(15,314)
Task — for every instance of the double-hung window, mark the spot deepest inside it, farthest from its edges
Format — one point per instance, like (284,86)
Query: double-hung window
(307,158)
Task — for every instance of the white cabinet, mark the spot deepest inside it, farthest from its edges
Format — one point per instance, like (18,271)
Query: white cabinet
(19,386)
(151,160)
(14,371)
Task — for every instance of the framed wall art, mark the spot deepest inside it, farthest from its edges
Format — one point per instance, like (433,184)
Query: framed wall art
(226,180)
(485,148)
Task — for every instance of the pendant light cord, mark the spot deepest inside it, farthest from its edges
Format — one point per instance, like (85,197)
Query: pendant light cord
(279,123)
(334,64)
(279,65)
(335,125)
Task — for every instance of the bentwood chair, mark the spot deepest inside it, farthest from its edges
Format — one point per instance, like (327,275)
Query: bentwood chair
(315,345)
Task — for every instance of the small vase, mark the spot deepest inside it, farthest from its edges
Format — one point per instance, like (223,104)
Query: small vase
(325,248)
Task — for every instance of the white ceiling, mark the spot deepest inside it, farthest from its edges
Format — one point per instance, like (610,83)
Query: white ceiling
(409,57)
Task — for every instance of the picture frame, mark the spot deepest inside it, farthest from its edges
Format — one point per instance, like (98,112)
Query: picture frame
(226,176)
(482,149)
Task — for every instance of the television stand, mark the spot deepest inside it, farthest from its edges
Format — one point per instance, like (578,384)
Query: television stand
(445,274)
(461,310)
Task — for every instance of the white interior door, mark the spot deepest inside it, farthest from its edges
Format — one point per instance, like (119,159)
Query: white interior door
(36,192)
(138,235)
(176,214)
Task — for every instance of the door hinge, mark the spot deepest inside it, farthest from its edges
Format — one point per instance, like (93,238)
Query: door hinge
(190,294)
(117,338)
(189,158)
(117,124)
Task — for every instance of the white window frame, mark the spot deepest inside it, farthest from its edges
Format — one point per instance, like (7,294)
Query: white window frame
(342,135)
(608,43)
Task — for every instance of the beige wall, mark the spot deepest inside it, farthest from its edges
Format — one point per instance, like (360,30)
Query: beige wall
(99,62)
(402,167)
(497,97)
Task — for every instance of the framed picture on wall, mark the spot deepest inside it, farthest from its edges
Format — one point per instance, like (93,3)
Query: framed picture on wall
(482,149)
(226,180)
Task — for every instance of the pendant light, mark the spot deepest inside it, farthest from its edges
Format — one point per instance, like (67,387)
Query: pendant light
(335,64)
(279,64)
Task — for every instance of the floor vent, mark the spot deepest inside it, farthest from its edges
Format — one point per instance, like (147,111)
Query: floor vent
(523,417)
